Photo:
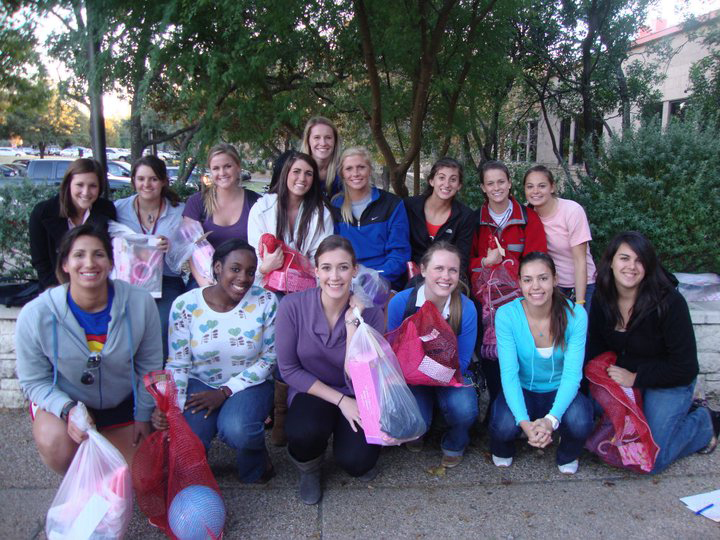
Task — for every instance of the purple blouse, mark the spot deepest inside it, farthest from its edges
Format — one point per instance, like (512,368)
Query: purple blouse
(195,209)
(307,349)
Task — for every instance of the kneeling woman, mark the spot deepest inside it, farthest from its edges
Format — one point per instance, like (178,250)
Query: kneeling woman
(638,313)
(222,355)
(541,345)
(314,328)
(441,268)
(89,340)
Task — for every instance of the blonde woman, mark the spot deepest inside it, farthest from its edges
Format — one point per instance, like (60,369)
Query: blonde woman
(373,220)
(322,142)
(224,207)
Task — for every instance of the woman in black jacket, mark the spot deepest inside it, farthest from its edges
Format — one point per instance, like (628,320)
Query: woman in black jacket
(638,314)
(436,214)
(78,202)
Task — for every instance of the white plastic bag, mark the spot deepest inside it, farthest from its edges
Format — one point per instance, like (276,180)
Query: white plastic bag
(699,287)
(187,241)
(94,500)
(389,412)
(137,258)
(370,287)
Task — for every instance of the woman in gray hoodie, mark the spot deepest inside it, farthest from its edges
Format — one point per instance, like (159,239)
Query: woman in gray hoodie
(88,340)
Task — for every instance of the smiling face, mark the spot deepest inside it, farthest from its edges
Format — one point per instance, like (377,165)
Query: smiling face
(496,185)
(627,268)
(321,142)
(224,171)
(335,271)
(356,174)
(538,189)
(236,274)
(299,178)
(147,184)
(446,183)
(537,283)
(84,191)
(87,264)
(442,274)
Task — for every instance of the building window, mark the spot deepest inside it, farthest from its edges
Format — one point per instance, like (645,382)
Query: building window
(677,109)
(578,157)
(532,140)
(565,124)
(651,111)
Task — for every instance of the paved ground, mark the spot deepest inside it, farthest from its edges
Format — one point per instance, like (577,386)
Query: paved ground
(407,500)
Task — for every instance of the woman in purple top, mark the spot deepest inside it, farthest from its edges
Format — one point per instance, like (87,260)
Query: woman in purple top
(313,329)
(223,208)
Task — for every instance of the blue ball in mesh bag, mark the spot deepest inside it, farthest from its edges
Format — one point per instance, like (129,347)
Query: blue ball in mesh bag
(196,513)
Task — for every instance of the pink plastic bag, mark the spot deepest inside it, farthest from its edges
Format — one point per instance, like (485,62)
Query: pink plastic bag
(95,498)
(295,275)
(389,412)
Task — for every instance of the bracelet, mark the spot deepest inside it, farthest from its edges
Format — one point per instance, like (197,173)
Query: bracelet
(355,322)
(339,400)
(581,302)
(226,391)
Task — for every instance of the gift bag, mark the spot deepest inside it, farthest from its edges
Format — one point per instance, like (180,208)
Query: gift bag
(94,500)
(295,275)
(426,348)
(623,437)
(493,287)
(370,287)
(389,412)
(189,241)
(174,485)
(137,259)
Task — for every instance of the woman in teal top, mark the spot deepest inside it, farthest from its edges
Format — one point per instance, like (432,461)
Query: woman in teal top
(541,346)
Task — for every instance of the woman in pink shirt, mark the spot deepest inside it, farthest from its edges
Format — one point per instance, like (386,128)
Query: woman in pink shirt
(568,235)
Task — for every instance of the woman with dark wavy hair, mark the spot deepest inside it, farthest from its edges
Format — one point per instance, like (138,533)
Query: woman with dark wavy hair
(638,313)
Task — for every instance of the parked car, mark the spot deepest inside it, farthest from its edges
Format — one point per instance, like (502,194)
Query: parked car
(8,171)
(117,153)
(19,167)
(51,171)
(24,162)
(52,150)
(29,151)
(119,169)
(76,151)
(194,180)
(8,151)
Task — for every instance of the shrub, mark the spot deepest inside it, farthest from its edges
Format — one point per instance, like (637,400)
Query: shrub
(665,184)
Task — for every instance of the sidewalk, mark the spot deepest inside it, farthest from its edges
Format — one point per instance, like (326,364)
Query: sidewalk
(475,500)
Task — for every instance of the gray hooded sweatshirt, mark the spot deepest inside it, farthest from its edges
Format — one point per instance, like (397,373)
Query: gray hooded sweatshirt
(52,352)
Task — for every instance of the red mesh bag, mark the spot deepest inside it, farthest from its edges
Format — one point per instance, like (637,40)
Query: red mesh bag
(623,437)
(295,275)
(173,483)
(493,287)
(427,349)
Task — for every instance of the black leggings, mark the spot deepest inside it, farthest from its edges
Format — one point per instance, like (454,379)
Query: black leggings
(310,422)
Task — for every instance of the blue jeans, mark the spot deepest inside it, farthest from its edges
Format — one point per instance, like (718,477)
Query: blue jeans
(676,432)
(239,424)
(575,425)
(172,287)
(459,406)
(570,293)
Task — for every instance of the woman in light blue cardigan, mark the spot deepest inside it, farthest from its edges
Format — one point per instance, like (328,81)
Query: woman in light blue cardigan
(541,346)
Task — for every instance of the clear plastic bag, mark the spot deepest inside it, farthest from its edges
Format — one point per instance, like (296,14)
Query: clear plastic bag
(95,498)
(389,412)
(699,287)
(190,241)
(370,287)
(137,259)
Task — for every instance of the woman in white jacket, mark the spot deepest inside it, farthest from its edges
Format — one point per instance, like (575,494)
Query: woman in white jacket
(294,213)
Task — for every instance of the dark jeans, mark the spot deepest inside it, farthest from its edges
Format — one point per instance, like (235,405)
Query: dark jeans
(309,423)
(575,425)
(570,293)
(239,423)
(172,287)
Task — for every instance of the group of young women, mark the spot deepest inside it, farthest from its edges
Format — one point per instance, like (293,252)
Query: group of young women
(233,345)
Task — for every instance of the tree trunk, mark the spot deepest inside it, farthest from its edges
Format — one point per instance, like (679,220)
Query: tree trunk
(416,175)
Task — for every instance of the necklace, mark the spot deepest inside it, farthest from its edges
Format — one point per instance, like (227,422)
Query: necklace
(151,217)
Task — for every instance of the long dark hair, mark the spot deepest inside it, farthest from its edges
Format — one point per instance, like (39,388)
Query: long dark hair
(79,166)
(558,302)
(447,162)
(313,202)
(455,296)
(68,240)
(652,289)
(160,170)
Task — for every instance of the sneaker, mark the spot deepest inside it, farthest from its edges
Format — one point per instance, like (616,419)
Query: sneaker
(370,475)
(502,461)
(450,461)
(569,468)
(415,446)
(715,417)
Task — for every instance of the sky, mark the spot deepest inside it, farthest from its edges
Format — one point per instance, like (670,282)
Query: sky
(673,11)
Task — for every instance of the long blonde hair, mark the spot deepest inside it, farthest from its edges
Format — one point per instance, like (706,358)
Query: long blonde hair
(346,208)
(210,194)
(332,167)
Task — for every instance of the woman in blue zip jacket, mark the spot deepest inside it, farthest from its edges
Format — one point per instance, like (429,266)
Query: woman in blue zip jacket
(373,220)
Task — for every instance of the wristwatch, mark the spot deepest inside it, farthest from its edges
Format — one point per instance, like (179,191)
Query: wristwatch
(554,422)
(66,410)
(226,391)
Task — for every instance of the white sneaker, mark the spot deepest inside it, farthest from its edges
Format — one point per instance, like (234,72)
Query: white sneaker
(502,461)
(569,468)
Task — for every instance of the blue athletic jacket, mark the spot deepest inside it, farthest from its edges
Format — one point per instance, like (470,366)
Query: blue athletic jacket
(381,237)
